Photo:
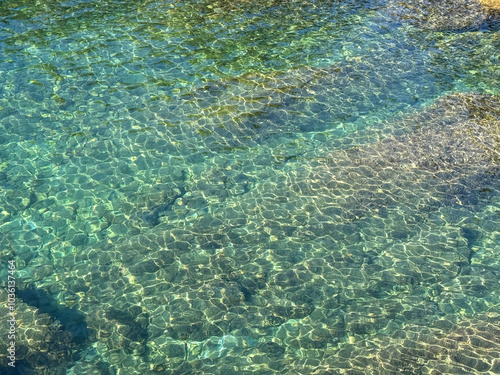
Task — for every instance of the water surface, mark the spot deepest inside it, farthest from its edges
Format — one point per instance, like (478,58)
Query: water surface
(198,187)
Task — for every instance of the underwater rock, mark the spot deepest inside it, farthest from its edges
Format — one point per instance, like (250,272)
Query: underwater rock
(450,153)
(440,15)
(256,108)
(466,346)
(249,108)
(41,343)
(492,6)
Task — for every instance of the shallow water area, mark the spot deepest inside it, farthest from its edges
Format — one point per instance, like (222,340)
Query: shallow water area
(213,187)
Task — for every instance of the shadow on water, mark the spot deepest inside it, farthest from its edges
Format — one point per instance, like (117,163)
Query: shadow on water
(22,368)
(71,320)
(69,340)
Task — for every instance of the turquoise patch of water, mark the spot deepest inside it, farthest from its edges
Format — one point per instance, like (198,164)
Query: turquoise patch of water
(256,187)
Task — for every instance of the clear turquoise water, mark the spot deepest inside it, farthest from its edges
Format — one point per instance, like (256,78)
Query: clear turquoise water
(275,187)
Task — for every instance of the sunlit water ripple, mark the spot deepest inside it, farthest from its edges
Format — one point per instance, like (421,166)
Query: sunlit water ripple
(212,187)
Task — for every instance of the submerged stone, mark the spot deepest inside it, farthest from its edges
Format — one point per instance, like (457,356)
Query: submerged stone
(492,6)
(440,15)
